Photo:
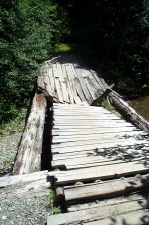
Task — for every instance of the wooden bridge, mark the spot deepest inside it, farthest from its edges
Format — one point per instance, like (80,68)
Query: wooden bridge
(99,161)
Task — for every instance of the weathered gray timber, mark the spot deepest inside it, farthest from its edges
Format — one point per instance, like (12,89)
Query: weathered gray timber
(128,113)
(29,153)
(104,189)
(66,81)
(128,211)
(33,184)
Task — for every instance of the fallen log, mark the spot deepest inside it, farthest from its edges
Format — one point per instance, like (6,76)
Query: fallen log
(128,113)
(28,159)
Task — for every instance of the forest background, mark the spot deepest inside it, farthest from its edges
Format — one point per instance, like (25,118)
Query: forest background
(111,35)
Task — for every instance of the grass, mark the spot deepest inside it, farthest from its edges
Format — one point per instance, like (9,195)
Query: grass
(8,160)
(105,104)
(14,125)
(62,47)
(53,203)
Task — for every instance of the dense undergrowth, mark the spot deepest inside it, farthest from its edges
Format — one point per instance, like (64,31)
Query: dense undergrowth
(111,35)
(28,32)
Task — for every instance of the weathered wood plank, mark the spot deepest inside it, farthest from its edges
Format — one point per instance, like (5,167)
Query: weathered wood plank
(23,178)
(99,213)
(84,87)
(58,90)
(76,112)
(64,71)
(101,172)
(106,189)
(91,89)
(98,80)
(62,83)
(51,80)
(80,81)
(26,185)
(94,84)
(101,130)
(89,116)
(60,73)
(71,79)
(111,141)
(108,201)
(58,87)
(95,147)
(79,137)
(73,165)
(131,218)
(83,160)
(123,151)
(64,92)
(77,100)
(70,83)
(70,92)
(110,157)
(79,89)
(86,108)
(100,123)
(75,120)
(55,73)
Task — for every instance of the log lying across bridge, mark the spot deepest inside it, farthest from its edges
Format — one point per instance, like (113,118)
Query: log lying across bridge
(99,160)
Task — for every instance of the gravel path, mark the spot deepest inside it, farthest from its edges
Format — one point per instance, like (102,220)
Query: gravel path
(14,209)
(8,149)
(23,210)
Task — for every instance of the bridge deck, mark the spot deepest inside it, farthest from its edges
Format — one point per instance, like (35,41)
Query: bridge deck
(69,81)
(90,144)
(100,159)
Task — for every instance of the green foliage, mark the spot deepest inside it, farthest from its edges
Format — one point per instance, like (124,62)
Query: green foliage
(62,47)
(53,203)
(28,31)
(56,210)
(16,124)
(106,105)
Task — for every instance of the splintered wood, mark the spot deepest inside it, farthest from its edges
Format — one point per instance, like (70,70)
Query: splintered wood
(100,156)
(66,81)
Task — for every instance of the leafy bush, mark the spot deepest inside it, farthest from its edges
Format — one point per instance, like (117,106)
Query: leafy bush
(28,31)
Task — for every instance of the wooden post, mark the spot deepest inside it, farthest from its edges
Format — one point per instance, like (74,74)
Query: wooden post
(60,194)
